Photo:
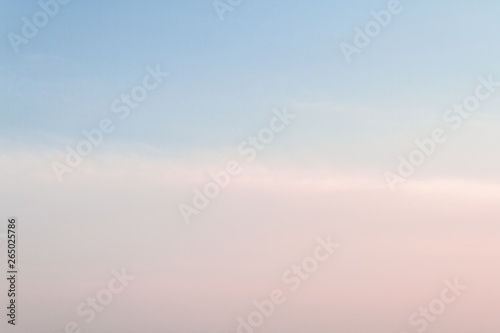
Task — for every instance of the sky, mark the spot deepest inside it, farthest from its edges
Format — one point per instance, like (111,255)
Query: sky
(307,142)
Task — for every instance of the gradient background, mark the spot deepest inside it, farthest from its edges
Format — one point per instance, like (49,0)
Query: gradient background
(322,176)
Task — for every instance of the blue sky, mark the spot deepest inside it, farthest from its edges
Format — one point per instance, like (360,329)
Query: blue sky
(226,76)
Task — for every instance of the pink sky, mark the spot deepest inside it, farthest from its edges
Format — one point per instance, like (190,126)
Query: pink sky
(396,248)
